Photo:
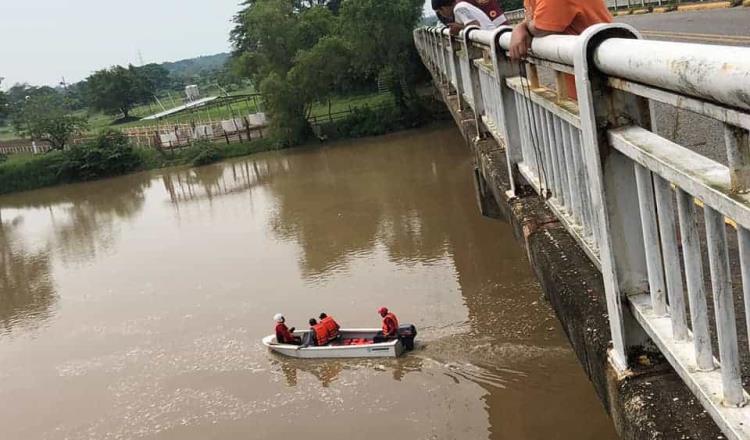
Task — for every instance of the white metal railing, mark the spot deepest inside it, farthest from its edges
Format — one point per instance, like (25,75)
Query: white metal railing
(631,198)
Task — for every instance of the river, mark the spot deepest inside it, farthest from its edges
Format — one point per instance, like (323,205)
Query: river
(133,308)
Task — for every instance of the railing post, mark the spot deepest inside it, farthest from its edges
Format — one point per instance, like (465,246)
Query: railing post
(456,66)
(612,187)
(738,156)
(443,59)
(726,322)
(509,123)
(473,53)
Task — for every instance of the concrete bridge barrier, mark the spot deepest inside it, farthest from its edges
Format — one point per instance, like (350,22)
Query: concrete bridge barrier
(642,208)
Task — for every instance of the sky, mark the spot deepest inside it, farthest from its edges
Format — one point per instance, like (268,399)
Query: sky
(42,41)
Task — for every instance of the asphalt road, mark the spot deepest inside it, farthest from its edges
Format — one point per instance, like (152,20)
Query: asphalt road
(719,26)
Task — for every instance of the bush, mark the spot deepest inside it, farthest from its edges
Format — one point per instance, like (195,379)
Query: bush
(110,154)
(40,171)
(368,122)
(3,157)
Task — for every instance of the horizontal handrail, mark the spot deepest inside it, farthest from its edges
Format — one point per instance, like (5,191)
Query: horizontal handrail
(557,48)
(715,73)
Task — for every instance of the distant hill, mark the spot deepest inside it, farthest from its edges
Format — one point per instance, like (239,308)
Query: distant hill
(199,66)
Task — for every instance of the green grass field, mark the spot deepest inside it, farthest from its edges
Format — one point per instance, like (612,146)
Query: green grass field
(100,121)
(7,133)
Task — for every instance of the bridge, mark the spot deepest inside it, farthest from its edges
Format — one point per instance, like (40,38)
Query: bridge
(664,227)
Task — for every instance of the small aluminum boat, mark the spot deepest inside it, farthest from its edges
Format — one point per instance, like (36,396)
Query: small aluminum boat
(340,349)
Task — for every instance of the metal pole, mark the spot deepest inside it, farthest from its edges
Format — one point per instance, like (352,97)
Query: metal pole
(726,327)
(651,240)
(672,269)
(691,248)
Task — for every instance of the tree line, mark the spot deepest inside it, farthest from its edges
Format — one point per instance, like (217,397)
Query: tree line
(57,114)
(295,52)
(300,52)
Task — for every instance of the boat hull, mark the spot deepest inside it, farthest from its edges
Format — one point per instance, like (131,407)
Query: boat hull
(387,349)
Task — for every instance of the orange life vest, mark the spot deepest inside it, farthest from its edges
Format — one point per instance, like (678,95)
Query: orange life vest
(390,325)
(331,326)
(321,334)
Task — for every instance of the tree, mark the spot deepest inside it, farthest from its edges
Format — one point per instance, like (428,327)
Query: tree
(301,52)
(321,70)
(271,41)
(4,107)
(380,34)
(156,76)
(117,89)
(19,94)
(43,118)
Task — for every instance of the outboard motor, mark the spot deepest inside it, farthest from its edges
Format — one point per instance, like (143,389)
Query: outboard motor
(406,334)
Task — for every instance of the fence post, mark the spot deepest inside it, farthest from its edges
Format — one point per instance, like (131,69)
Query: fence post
(612,186)
(247,128)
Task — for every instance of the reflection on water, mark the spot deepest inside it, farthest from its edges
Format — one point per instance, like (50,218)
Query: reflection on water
(26,291)
(134,307)
(80,225)
(328,371)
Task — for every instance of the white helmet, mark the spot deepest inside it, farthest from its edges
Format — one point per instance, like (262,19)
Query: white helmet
(278,317)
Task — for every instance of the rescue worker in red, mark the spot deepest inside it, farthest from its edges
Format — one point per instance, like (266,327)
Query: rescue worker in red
(390,326)
(284,335)
(317,336)
(331,325)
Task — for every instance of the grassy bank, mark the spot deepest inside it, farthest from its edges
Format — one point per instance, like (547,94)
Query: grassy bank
(110,154)
(91,162)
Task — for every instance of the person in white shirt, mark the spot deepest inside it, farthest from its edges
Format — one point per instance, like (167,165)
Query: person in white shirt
(460,14)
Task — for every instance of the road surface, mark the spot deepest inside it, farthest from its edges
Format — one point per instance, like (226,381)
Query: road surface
(718,26)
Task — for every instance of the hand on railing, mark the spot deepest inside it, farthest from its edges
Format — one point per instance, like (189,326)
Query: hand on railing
(520,42)
(455,28)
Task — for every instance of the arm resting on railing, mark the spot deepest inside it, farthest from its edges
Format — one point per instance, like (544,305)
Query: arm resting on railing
(520,40)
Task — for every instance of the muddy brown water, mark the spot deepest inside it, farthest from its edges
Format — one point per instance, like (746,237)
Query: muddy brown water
(133,308)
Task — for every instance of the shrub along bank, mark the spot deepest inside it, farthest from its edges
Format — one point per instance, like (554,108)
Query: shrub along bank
(107,156)
(110,154)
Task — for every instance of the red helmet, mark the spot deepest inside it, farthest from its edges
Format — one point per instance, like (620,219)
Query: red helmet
(383,311)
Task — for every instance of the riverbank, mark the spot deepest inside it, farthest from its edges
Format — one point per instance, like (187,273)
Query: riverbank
(110,155)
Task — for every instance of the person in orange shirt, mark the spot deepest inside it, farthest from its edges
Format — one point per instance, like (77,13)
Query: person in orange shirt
(547,17)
